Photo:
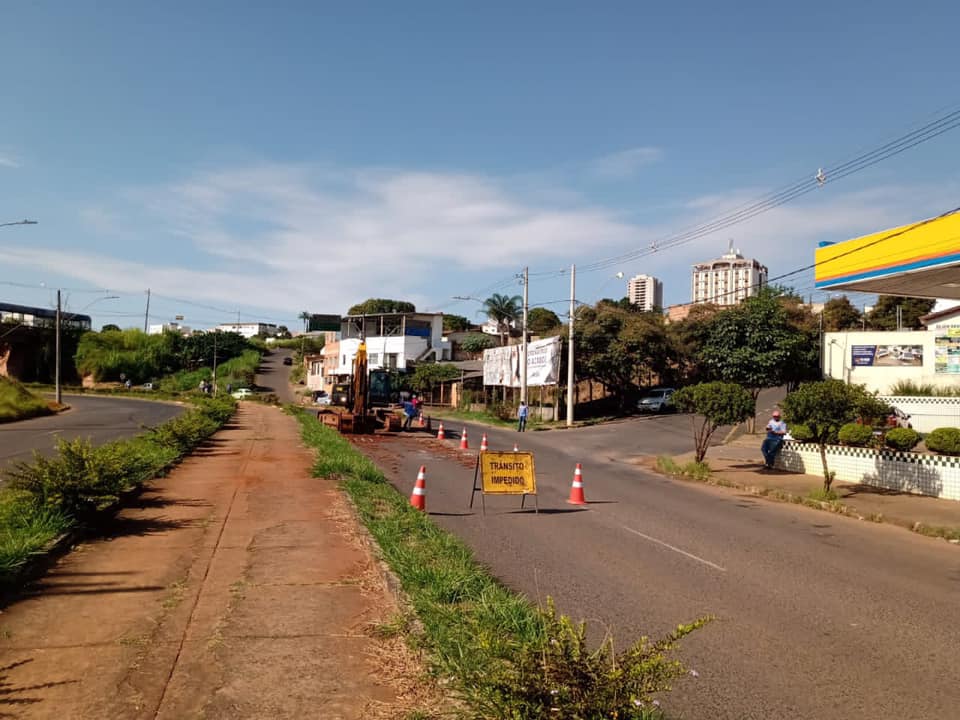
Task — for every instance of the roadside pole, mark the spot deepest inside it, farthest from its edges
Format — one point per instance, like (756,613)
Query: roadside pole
(573,295)
(56,366)
(523,352)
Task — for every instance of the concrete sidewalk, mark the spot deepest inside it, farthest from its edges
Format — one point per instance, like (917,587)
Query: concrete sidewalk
(237,587)
(739,463)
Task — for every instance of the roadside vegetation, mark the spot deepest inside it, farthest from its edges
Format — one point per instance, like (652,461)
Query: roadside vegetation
(18,403)
(81,484)
(501,655)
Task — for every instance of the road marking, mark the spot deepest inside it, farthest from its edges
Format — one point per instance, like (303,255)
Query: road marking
(675,549)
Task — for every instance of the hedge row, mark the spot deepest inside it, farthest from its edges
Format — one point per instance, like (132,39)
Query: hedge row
(943,441)
(48,496)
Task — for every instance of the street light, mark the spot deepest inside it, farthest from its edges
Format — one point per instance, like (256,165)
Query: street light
(58,395)
(19,222)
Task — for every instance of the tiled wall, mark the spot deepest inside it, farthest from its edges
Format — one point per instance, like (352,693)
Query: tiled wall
(934,475)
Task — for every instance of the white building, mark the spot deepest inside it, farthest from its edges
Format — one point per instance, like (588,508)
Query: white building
(394,340)
(168,327)
(645,291)
(249,330)
(728,279)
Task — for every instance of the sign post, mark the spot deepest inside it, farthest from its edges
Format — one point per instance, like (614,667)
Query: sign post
(505,473)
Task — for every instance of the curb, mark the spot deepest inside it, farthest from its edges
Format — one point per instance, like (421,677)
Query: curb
(836,507)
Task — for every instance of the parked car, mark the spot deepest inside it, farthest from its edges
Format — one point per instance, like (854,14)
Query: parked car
(242,393)
(288,360)
(322,398)
(658,401)
(148,386)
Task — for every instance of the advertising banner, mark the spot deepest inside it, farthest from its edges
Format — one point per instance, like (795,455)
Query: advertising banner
(886,355)
(502,365)
(946,354)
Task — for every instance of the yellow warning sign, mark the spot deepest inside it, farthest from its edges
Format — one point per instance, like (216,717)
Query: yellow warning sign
(508,473)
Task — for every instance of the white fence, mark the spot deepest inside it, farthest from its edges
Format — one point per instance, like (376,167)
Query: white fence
(927,413)
(917,473)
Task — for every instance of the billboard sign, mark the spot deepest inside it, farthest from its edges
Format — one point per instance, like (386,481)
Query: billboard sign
(323,323)
(886,355)
(502,365)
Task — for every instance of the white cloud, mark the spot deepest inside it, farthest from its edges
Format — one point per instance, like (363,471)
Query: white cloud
(287,237)
(625,163)
(7,161)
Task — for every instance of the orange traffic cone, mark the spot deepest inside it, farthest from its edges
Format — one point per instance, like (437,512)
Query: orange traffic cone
(440,435)
(576,490)
(422,423)
(483,443)
(418,498)
(464,445)
(515,448)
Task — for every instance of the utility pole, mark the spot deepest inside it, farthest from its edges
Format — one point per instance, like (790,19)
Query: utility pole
(56,366)
(215,363)
(573,301)
(523,352)
(146,315)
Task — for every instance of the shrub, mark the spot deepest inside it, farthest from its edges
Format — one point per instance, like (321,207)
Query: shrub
(18,403)
(801,433)
(945,441)
(718,403)
(476,342)
(902,438)
(855,434)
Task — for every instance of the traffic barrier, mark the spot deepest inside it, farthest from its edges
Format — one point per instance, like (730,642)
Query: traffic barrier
(440,434)
(422,422)
(483,443)
(576,490)
(515,448)
(464,445)
(418,498)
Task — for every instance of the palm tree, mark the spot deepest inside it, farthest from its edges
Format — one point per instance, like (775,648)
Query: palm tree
(305,316)
(503,310)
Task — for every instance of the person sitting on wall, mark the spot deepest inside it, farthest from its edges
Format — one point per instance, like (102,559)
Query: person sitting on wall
(776,429)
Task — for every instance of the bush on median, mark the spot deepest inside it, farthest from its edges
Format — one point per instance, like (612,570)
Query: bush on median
(49,495)
(505,657)
(945,441)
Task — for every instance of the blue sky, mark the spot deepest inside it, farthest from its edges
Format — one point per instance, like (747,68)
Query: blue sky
(240,158)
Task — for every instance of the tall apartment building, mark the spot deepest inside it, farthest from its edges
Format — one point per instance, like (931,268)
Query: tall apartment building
(728,279)
(646,292)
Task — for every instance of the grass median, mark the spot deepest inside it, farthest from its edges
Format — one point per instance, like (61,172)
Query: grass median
(502,656)
(18,403)
(49,496)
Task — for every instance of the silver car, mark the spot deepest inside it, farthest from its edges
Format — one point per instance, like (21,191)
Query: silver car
(657,401)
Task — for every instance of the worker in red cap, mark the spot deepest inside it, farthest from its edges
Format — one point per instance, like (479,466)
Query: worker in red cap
(776,429)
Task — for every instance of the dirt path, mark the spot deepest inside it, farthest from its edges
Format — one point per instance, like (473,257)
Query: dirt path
(238,587)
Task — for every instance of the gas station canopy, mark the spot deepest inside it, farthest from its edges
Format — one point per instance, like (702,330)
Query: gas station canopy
(917,260)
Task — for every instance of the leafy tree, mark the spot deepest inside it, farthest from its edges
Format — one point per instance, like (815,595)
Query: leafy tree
(455,323)
(305,316)
(687,336)
(713,405)
(503,310)
(840,314)
(884,313)
(110,327)
(428,375)
(376,306)
(621,349)
(476,342)
(283,332)
(754,344)
(541,321)
(826,406)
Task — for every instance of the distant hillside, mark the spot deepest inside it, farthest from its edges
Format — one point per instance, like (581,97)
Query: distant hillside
(18,403)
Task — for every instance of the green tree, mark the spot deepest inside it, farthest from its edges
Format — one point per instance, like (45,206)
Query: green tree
(541,321)
(713,405)
(687,336)
(428,375)
(455,323)
(503,310)
(476,342)
(840,314)
(826,406)
(376,306)
(883,316)
(110,327)
(754,344)
(622,349)
(305,316)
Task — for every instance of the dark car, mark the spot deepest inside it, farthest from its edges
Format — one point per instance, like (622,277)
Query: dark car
(288,361)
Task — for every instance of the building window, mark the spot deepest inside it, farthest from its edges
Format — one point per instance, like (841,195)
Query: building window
(374,358)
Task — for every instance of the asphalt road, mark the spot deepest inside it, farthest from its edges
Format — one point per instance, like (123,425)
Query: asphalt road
(99,418)
(817,616)
(273,376)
